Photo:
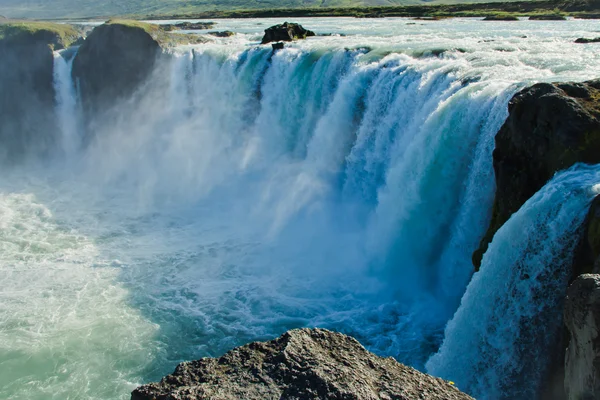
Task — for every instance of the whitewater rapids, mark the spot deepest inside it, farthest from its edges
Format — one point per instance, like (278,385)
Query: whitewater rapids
(342,182)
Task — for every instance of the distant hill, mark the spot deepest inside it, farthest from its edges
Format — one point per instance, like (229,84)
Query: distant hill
(97,8)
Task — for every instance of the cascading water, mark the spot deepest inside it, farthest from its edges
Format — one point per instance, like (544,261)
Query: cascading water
(496,346)
(66,101)
(340,182)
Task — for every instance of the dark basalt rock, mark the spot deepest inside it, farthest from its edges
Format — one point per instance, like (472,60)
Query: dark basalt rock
(550,127)
(501,18)
(278,46)
(301,364)
(585,40)
(222,34)
(556,17)
(27,97)
(112,63)
(188,26)
(285,32)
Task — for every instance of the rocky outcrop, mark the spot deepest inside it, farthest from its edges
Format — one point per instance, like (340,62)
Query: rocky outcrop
(27,120)
(301,364)
(285,32)
(585,40)
(188,26)
(116,59)
(582,317)
(548,17)
(222,34)
(501,18)
(550,127)
(113,62)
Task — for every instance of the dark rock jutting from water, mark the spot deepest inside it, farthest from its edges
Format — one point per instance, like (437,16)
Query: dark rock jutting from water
(548,17)
(501,18)
(222,34)
(586,40)
(301,364)
(188,26)
(286,32)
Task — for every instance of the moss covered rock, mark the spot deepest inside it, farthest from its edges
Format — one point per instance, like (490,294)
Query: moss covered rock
(27,98)
(550,127)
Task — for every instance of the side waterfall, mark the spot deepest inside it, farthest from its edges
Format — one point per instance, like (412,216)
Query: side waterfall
(496,346)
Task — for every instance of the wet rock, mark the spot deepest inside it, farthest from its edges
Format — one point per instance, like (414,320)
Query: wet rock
(582,317)
(301,364)
(552,17)
(188,26)
(501,18)
(278,46)
(285,32)
(222,34)
(550,127)
(585,40)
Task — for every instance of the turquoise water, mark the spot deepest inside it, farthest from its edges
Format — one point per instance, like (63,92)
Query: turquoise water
(342,183)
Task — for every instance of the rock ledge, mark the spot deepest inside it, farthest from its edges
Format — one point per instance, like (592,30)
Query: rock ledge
(301,364)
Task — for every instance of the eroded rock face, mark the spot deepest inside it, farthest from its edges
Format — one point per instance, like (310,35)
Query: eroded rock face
(286,32)
(301,364)
(582,317)
(112,63)
(550,127)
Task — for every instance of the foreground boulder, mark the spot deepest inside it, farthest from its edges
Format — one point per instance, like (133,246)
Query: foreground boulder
(27,120)
(550,127)
(582,317)
(301,364)
(286,32)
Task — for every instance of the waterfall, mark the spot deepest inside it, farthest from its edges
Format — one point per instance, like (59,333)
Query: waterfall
(496,345)
(66,101)
(242,192)
(387,158)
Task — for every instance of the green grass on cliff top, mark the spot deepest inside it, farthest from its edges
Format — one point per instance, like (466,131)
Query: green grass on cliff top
(164,38)
(66,34)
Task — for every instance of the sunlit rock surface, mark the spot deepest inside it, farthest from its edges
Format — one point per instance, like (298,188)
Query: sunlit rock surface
(301,364)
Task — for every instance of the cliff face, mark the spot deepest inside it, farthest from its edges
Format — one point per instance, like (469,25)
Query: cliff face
(27,120)
(301,364)
(115,59)
(550,127)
